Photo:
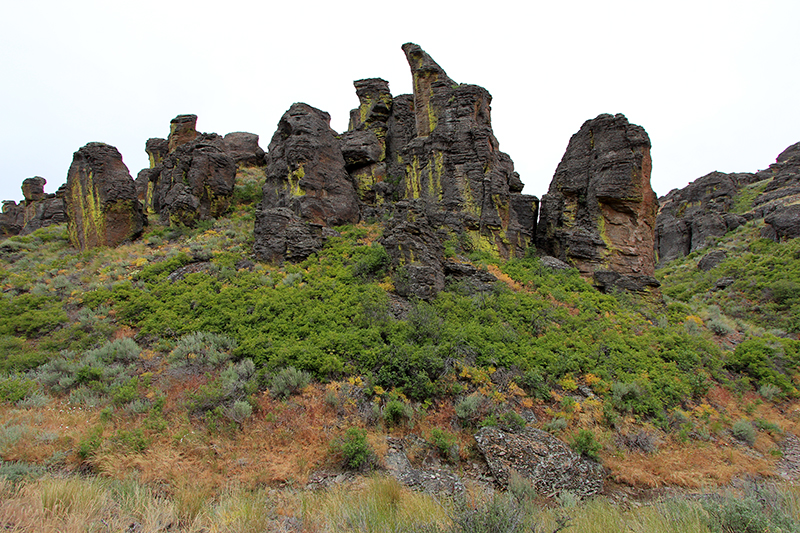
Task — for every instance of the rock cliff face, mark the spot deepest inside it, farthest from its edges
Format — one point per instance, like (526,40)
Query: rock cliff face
(37,210)
(600,211)
(429,156)
(100,197)
(711,206)
(191,175)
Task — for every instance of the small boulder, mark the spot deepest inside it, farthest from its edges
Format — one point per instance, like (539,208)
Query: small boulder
(711,260)
(783,223)
(548,463)
(244,149)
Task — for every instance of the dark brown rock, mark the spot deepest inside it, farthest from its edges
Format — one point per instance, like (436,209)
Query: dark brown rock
(416,252)
(689,218)
(305,174)
(548,463)
(600,211)
(244,149)
(287,236)
(182,129)
(12,219)
(711,260)
(37,210)
(33,189)
(157,149)
(783,223)
(100,197)
(195,178)
(442,155)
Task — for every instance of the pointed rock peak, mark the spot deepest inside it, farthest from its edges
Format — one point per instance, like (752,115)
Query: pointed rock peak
(432,87)
(423,65)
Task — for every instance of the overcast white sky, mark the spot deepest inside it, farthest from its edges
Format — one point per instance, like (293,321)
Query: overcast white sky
(716,84)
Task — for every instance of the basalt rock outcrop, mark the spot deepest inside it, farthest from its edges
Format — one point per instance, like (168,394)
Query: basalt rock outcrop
(100,198)
(37,210)
(548,463)
(600,211)
(428,163)
(689,219)
(192,175)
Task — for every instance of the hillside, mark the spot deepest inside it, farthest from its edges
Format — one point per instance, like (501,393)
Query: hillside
(262,345)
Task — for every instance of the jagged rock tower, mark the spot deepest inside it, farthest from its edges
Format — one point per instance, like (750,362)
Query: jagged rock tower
(600,211)
(428,162)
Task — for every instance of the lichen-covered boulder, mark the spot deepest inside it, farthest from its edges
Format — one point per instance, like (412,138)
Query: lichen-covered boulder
(600,211)
(100,198)
(548,463)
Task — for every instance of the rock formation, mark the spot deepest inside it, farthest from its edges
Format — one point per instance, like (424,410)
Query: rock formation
(191,175)
(548,463)
(37,210)
(427,162)
(100,197)
(600,211)
(709,207)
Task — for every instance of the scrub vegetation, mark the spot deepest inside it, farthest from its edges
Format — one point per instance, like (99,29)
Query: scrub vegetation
(188,381)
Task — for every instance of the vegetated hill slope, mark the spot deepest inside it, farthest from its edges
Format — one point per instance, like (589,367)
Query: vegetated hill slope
(168,358)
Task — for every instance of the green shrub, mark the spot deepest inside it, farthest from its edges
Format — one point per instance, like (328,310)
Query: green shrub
(30,315)
(556,425)
(16,388)
(761,508)
(217,398)
(743,430)
(353,448)
(90,443)
(467,408)
(373,261)
(445,443)
(288,381)
(585,443)
(202,349)
(394,412)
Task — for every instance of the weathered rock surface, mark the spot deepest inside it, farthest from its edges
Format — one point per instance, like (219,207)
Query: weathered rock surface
(100,197)
(689,218)
(600,211)
(427,162)
(711,260)
(306,185)
(37,210)
(182,129)
(194,178)
(244,149)
(548,463)
(427,473)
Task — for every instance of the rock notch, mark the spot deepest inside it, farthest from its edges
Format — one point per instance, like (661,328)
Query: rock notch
(100,197)
(600,211)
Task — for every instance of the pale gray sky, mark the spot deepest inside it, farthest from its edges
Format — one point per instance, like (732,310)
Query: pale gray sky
(716,84)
